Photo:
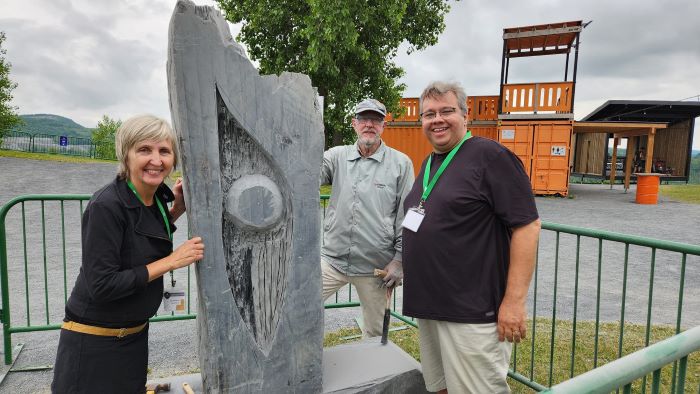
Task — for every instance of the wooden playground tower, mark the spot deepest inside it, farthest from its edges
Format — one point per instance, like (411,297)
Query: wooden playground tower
(536,121)
(533,119)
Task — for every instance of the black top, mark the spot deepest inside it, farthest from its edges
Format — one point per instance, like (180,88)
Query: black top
(119,237)
(456,265)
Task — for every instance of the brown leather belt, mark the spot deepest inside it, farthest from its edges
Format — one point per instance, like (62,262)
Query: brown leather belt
(101,331)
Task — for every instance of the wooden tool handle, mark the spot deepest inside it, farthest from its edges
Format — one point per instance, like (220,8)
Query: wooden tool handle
(379,273)
(186,387)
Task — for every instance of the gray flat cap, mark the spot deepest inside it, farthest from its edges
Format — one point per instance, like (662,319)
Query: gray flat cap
(370,105)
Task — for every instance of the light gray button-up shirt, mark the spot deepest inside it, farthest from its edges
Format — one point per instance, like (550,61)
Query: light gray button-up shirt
(362,226)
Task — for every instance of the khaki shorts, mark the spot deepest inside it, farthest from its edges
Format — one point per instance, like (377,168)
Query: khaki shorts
(372,296)
(463,358)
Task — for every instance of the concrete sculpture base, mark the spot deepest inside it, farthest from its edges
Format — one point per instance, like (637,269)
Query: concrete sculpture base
(360,367)
(370,367)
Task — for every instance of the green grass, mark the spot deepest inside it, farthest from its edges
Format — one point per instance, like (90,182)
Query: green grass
(683,193)
(584,352)
(406,339)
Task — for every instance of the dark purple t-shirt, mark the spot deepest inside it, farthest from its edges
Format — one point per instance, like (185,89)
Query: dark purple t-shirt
(456,264)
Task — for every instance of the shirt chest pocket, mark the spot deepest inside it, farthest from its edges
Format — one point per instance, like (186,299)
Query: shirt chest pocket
(384,186)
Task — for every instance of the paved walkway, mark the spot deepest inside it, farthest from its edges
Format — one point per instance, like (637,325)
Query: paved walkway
(173,345)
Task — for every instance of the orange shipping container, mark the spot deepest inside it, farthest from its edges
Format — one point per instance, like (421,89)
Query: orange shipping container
(486,131)
(409,140)
(545,149)
(517,136)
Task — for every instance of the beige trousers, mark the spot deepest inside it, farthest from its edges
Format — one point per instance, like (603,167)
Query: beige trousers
(372,296)
(463,358)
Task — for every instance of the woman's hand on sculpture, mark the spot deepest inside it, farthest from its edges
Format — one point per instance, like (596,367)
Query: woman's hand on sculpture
(178,207)
(191,251)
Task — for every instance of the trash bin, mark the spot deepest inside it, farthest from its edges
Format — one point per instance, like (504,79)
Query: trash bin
(647,188)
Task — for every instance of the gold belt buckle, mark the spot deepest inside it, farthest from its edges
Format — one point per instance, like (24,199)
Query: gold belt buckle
(122,333)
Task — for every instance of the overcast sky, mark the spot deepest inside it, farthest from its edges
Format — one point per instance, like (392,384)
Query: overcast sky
(82,59)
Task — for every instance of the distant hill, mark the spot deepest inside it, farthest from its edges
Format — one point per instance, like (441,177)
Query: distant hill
(52,124)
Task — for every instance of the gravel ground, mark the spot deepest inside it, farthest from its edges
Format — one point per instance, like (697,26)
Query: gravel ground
(173,344)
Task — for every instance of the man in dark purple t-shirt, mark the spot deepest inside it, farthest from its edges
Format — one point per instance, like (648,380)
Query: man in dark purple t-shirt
(470,238)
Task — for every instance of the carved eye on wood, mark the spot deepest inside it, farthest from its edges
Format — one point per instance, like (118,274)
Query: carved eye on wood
(254,202)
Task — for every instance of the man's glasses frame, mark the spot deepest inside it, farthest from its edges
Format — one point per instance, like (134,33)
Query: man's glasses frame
(371,119)
(443,112)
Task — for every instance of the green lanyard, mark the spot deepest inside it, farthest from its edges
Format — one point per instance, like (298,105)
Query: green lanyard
(160,208)
(428,183)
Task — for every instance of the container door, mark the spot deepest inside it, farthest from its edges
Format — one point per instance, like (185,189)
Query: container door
(518,137)
(489,132)
(550,173)
(409,140)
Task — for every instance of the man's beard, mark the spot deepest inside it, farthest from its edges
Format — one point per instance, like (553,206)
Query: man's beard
(368,141)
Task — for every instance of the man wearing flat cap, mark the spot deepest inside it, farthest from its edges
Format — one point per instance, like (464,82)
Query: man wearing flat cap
(362,227)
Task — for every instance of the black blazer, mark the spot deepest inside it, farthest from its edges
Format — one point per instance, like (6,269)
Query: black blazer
(119,237)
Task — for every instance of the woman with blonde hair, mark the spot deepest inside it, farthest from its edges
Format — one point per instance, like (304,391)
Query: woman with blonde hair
(127,247)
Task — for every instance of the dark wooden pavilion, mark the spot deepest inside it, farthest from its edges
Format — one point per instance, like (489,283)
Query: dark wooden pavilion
(659,138)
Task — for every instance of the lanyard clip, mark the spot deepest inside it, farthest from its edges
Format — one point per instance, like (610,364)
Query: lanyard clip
(420,205)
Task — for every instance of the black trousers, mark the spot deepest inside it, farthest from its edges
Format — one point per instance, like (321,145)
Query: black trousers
(96,364)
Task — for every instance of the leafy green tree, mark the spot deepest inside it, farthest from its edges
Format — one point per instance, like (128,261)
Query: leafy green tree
(346,47)
(8,113)
(103,137)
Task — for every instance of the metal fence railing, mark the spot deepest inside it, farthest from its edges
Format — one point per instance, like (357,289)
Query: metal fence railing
(57,144)
(622,372)
(40,259)
(596,296)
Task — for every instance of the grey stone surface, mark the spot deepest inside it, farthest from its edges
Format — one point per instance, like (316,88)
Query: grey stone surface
(360,367)
(370,367)
(251,149)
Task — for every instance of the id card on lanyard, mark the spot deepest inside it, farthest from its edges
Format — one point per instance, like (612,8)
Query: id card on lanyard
(415,215)
(173,296)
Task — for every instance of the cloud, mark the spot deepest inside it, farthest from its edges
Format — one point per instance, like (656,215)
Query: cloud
(633,50)
(83,58)
(86,61)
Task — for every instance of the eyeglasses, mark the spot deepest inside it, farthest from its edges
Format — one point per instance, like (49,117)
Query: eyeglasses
(444,113)
(369,119)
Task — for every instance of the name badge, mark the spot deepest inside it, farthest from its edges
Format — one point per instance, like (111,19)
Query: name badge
(413,219)
(174,299)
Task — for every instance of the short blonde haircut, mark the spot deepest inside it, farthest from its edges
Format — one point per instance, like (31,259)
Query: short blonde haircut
(440,88)
(138,129)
